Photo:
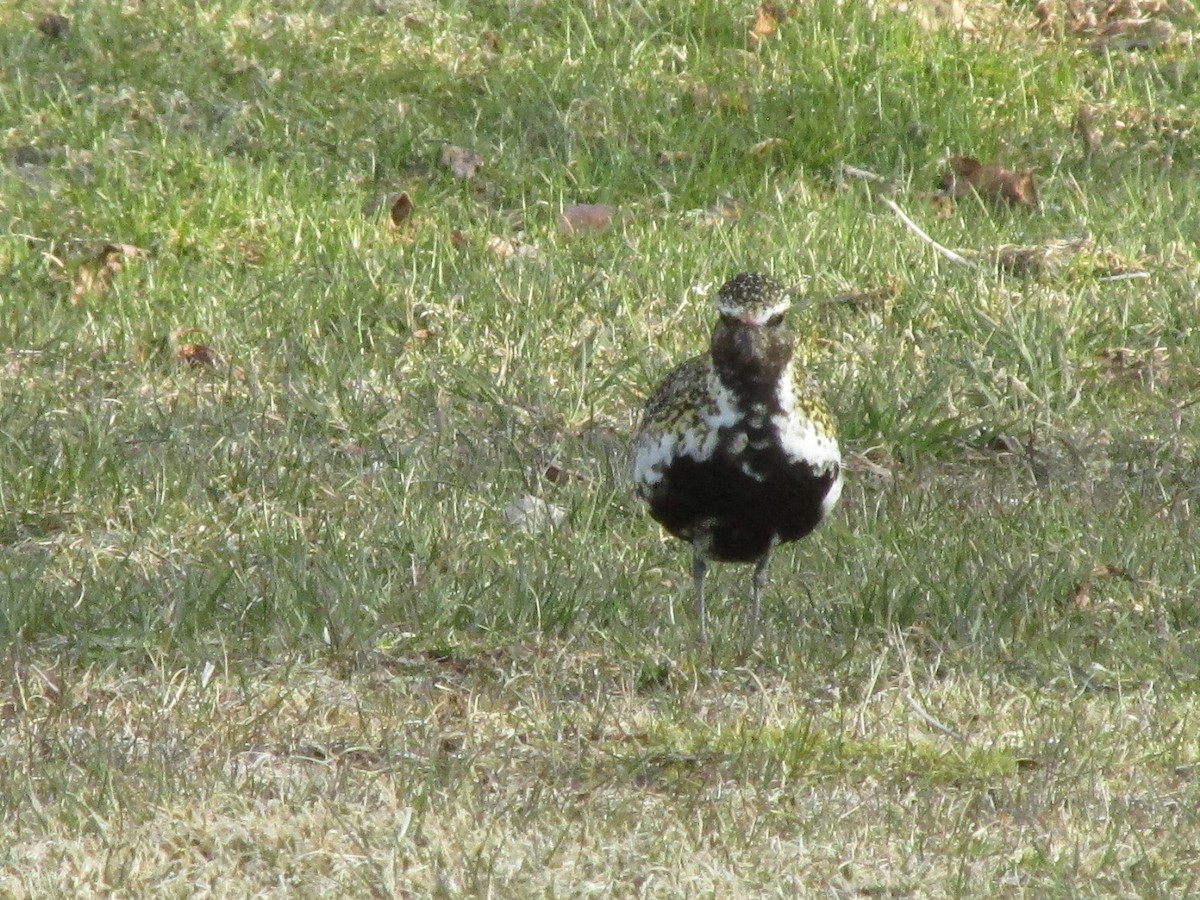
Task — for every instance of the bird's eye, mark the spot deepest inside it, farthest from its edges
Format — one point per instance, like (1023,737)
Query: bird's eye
(776,319)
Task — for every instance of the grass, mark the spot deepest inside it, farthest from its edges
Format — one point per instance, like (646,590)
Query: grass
(266,627)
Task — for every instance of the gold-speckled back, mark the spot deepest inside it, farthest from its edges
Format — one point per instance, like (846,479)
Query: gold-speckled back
(811,404)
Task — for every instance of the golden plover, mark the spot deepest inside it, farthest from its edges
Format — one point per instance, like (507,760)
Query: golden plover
(735,453)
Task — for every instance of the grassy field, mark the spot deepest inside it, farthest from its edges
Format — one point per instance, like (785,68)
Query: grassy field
(271,622)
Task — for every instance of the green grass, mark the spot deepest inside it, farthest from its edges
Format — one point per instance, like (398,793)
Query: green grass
(266,627)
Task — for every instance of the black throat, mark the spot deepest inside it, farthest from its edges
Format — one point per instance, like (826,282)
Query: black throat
(750,359)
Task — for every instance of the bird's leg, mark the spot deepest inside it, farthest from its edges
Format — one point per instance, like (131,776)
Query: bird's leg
(757,583)
(699,570)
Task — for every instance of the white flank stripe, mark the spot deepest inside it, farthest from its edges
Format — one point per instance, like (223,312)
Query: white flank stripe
(831,499)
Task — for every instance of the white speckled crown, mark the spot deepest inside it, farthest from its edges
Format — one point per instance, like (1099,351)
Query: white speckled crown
(752,298)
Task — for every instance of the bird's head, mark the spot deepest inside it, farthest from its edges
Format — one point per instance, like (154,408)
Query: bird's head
(751,346)
(752,299)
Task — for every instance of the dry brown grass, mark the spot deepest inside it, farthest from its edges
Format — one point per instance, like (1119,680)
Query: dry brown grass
(978,680)
(547,769)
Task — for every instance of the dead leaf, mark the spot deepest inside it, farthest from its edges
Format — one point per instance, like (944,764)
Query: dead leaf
(1104,570)
(1116,25)
(762,148)
(1125,364)
(1134,34)
(399,206)
(734,101)
(95,275)
(766,23)
(1055,256)
(252,252)
(942,205)
(1086,129)
(1048,258)
(400,209)
(1005,445)
(459,239)
(1083,593)
(990,181)
(490,41)
(501,247)
(737,100)
(1083,590)
(462,162)
(722,212)
(701,96)
(509,248)
(196,355)
(89,282)
(127,251)
(556,474)
(934,15)
(940,202)
(579,218)
(666,157)
(27,155)
(1044,12)
(54,25)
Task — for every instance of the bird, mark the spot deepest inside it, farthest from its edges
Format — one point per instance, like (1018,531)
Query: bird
(736,452)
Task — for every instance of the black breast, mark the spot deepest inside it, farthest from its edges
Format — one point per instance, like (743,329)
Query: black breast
(742,515)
